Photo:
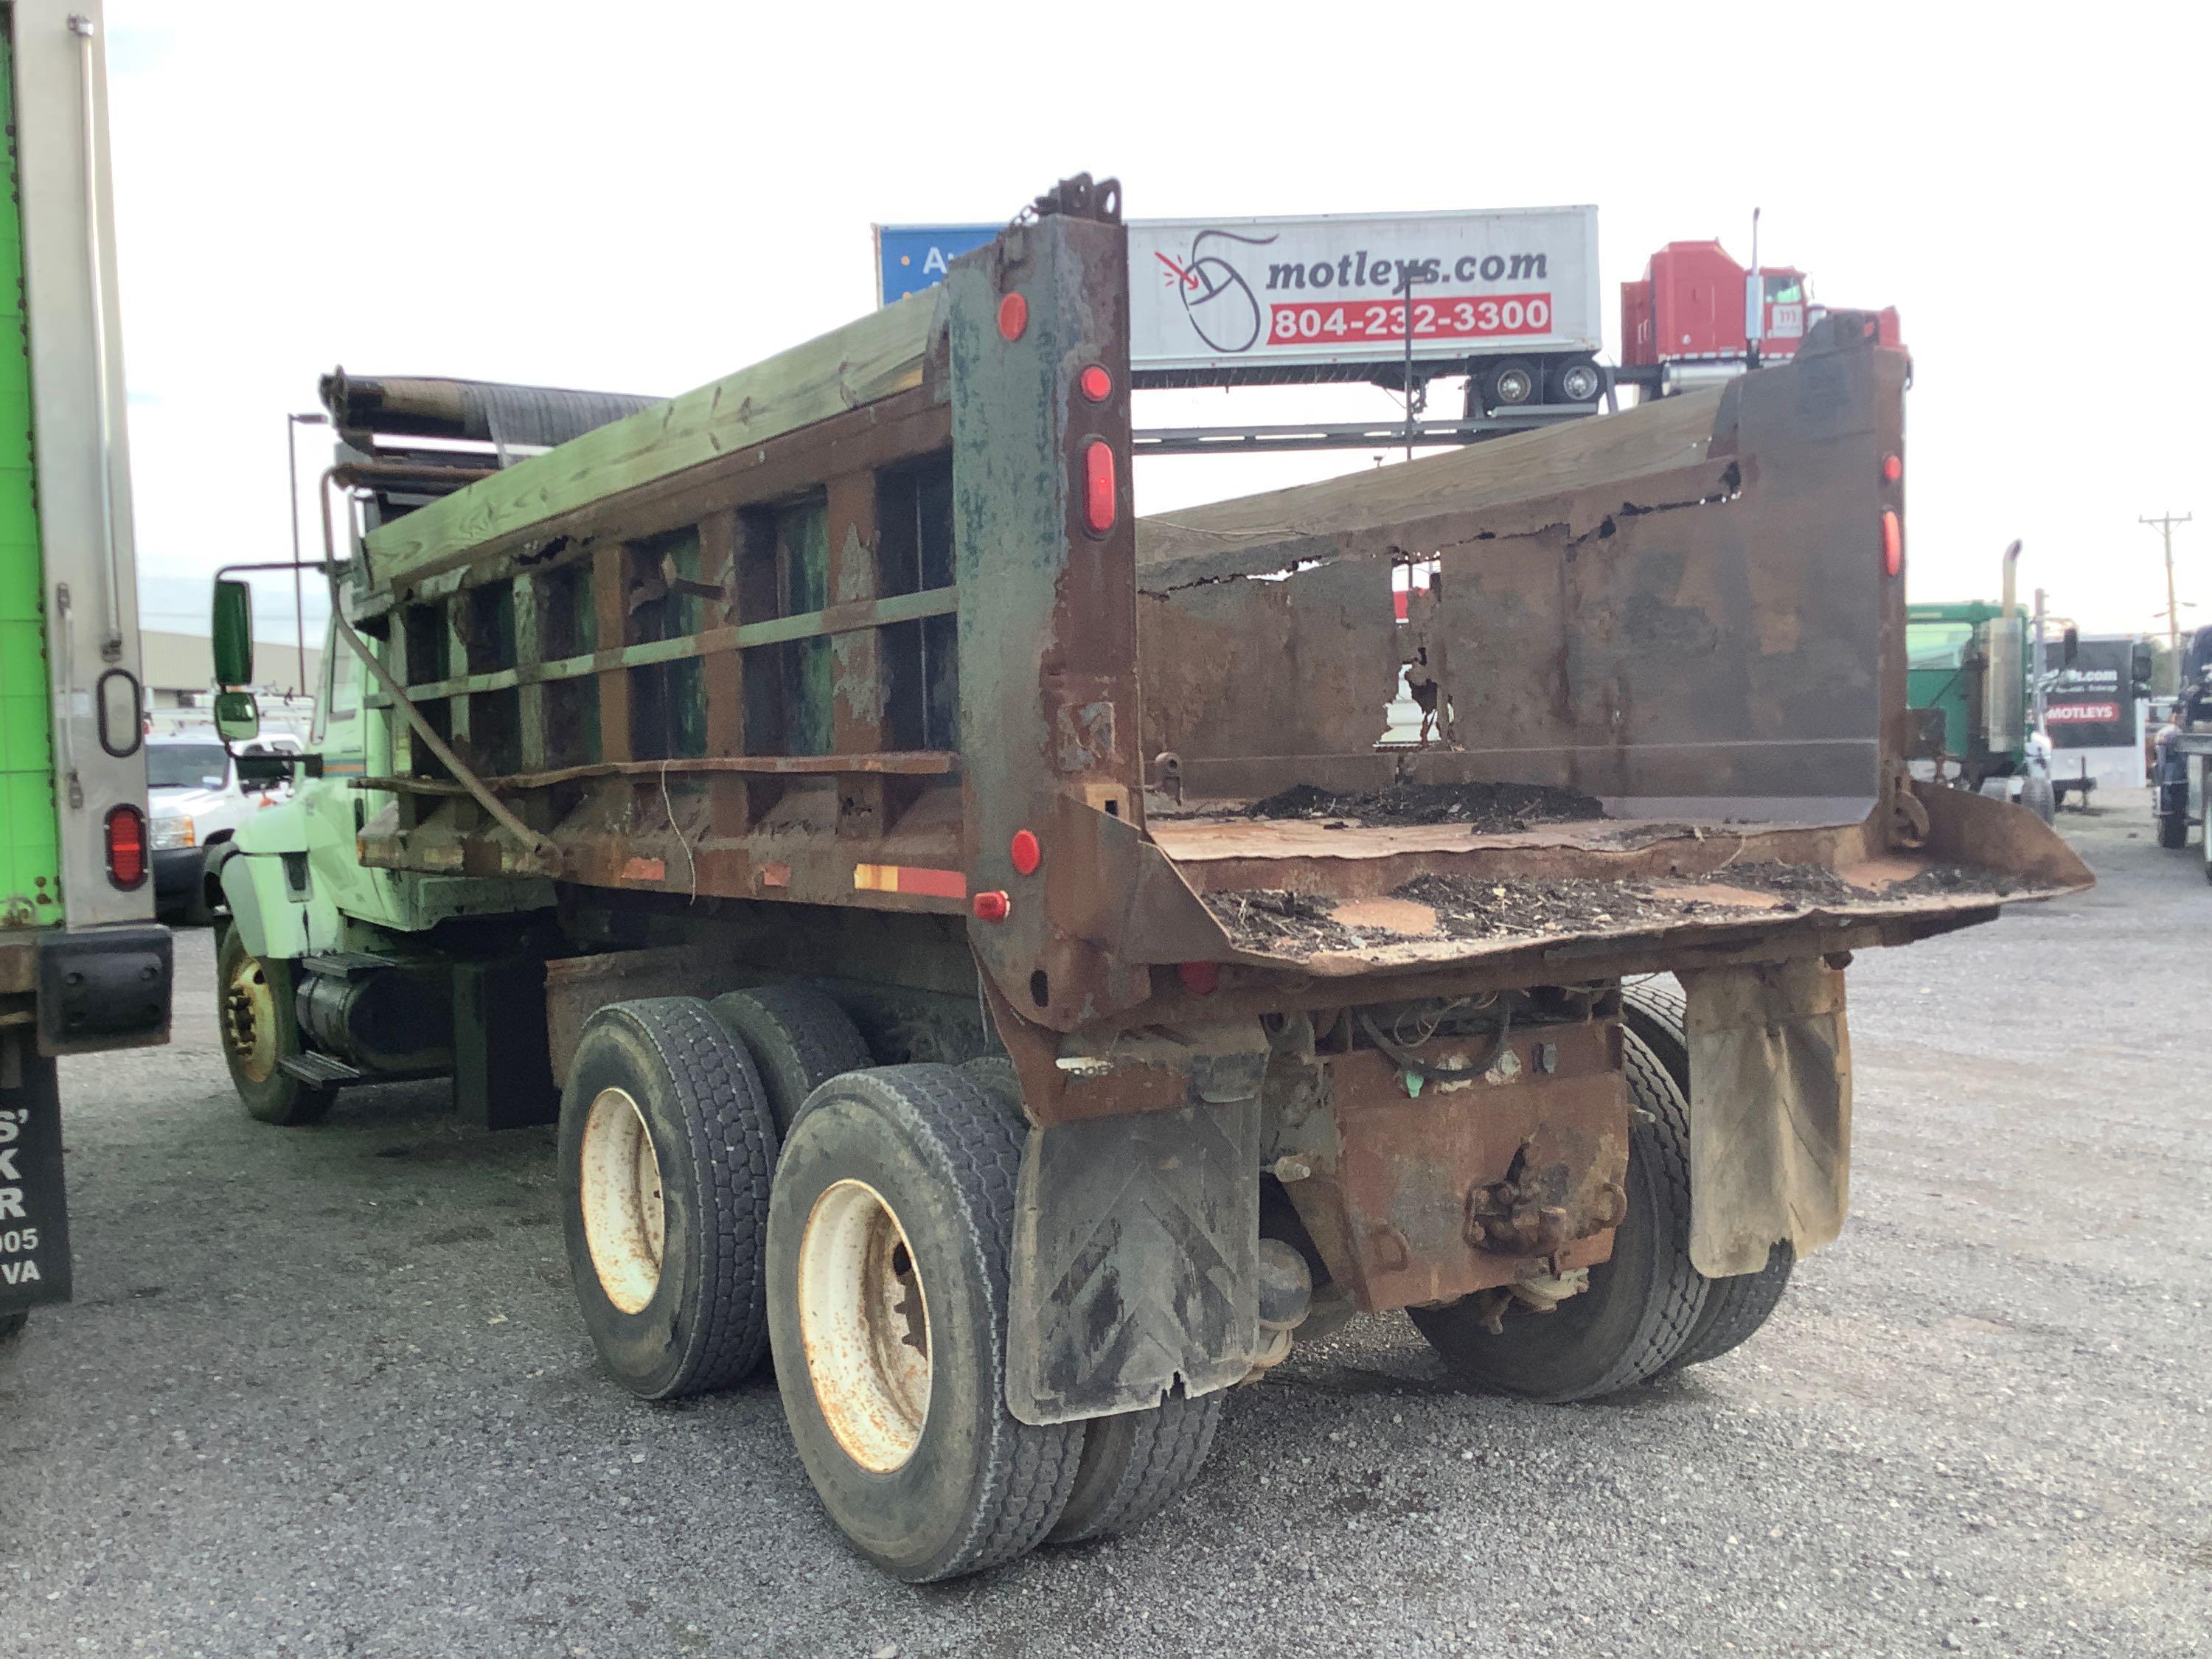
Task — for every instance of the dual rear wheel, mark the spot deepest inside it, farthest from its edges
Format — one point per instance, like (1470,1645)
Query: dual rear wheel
(737,1181)
(1648,1311)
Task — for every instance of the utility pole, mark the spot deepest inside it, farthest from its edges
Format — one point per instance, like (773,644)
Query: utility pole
(2165,523)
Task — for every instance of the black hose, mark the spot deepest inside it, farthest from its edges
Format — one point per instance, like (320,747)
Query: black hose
(1421,1068)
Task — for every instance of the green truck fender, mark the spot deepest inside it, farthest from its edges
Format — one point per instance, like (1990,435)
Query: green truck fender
(266,885)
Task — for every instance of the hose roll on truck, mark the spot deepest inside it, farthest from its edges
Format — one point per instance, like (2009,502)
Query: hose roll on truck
(83,965)
(976,950)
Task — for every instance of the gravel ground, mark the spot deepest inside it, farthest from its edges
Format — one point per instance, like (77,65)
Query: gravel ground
(325,1392)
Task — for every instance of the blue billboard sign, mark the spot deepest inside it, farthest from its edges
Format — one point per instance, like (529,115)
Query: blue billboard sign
(911,258)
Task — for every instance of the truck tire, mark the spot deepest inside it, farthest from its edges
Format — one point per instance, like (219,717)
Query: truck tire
(996,1072)
(1577,381)
(1656,1012)
(798,1038)
(1134,1464)
(888,1261)
(1641,1306)
(1509,383)
(260,1026)
(666,1147)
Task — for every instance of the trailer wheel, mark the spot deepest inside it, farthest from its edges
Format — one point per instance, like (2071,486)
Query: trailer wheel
(1578,381)
(798,1038)
(1735,1307)
(666,1148)
(1134,1464)
(1641,1306)
(260,1028)
(888,1248)
(1509,383)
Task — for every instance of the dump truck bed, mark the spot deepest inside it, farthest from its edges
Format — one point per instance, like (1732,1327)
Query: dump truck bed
(837,631)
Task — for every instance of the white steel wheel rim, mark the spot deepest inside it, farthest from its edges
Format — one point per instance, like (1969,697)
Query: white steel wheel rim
(625,1220)
(864,1319)
(1579,384)
(249,1019)
(1514,386)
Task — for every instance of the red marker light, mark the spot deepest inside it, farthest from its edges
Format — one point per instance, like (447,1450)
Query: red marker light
(1096,383)
(992,907)
(1099,504)
(1026,852)
(1199,978)
(1893,544)
(126,847)
(1892,468)
(1013,316)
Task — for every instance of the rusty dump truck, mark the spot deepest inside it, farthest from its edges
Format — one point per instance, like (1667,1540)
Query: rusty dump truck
(977,944)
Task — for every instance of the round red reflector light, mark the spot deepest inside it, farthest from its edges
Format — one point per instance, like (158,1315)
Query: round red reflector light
(1098,384)
(1892,468)
(1199,978)
(1013,316)
(1026,852)
(1893,544)
(992,907)
(1098,504)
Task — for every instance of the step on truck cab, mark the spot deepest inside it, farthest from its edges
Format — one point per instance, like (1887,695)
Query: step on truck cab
(83,967)
(978,946)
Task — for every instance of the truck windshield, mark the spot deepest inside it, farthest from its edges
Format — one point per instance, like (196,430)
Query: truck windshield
(1785,290)
(185,766)
(1936,644)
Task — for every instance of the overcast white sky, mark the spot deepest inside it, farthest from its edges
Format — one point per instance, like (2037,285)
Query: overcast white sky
(644,198)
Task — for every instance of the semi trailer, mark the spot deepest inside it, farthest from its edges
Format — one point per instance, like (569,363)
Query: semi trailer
(83,965)
(977,947)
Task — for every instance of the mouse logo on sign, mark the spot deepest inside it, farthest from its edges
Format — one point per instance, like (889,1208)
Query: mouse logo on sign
(1223,311)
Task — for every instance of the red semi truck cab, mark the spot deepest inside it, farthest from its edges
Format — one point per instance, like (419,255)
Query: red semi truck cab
(1687,312)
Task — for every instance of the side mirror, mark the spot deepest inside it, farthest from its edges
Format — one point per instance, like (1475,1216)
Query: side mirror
(264,771)
(2070,646)
(2139,667)
(237,716)
(234,634)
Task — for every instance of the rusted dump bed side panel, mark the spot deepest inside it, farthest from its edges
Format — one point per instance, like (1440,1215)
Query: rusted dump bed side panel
(1683,608)
(1690,615)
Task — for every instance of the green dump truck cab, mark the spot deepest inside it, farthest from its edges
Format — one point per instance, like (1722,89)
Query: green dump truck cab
(1966,682)
(82,966)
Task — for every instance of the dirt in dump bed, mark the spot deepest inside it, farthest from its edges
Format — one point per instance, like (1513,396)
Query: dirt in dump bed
(1488,808)
(1283,922)
(1275,919)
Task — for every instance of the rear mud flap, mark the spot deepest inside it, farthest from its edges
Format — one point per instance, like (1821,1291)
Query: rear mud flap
(1136,1257)
(1771,1115)
(34,1248)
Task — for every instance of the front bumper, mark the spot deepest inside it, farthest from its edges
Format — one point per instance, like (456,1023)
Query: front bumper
(178,872)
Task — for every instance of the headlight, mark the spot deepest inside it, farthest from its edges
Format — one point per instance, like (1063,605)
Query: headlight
(171,833)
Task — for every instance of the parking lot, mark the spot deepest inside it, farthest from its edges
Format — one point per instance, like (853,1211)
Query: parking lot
(325,1391)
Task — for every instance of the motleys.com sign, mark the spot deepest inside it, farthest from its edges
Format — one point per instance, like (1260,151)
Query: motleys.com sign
(1346,290)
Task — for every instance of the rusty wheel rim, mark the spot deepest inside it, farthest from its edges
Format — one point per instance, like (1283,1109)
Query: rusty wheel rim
(249,1020)
(625,1219)
(863,1318)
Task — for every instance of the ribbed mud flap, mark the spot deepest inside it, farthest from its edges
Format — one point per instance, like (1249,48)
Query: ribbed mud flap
(1770,1112)
(1135,1261)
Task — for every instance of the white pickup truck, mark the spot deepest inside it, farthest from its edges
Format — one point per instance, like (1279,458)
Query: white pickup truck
(195,800)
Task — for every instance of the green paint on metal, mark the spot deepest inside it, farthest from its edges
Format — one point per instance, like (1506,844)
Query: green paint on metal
(1946,650)
(30,852)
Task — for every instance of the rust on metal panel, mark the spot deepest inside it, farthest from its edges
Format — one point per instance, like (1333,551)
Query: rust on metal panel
(1319,647)
(1424,1197)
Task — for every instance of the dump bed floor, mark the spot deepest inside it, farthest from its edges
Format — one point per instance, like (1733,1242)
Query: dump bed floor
(1357,898)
